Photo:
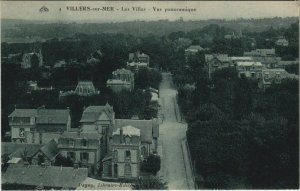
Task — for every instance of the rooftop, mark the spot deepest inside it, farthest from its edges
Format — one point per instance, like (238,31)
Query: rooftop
(85,88)
(235,58)
(50,176)
(92,113)
(148,128)
(249,64)
(50,150)
(220,57)
(128,130)
(114,81)
(44,116)
(15,150)
(122,71)
(194,47)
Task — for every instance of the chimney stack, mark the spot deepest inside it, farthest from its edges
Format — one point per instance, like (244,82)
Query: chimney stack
(121,135)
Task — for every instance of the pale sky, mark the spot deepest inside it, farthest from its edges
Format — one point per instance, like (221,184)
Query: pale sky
(29,10)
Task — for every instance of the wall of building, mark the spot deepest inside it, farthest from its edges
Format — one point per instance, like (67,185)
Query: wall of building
(16,132)
(41,138)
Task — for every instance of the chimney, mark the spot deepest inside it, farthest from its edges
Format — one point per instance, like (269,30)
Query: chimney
(121,135)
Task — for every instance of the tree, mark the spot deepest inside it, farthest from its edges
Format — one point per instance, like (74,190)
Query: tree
(149,183)
(63,161)
(151,164)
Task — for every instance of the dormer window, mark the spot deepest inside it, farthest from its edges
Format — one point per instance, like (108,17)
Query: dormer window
(127,140)
(127,154)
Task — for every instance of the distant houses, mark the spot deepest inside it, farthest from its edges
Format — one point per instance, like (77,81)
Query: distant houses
(30,59)
(260,64)
(261,53)
(33,86)
(122,79)
(137,60)
(249,69)
(215,62)
(83,88)
(274,76)
(192,51)
(282,41)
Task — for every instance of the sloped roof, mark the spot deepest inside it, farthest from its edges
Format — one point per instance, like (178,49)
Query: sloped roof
(148,128)
(137,55)
(44,116)
(114,81)
(92,113)
(122,71)
(241,58)
(17,149)
(50,149)
(85,88)
(220,57)
(52,116)
(195,47)
(249,64)
(24,113)
(128,130)
(52,176)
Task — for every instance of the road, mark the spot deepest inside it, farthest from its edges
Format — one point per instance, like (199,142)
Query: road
(175,168)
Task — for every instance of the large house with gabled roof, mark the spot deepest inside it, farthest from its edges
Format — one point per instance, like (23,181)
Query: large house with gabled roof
(37,121)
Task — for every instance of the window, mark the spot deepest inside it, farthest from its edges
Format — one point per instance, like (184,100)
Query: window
(22,132)
(33,137)
(71,155)
(71,143)
(41,159)
(266,76)
(143,151)
(127,140)
(115,156)
(84,142)
(127,154)
(41,138)
(127,170)
(84,157)
(115,170)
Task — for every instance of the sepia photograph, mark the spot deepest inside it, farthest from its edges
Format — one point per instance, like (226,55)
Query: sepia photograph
(149,95)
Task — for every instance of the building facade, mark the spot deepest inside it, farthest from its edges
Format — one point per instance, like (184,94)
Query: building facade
(137,61)
(125,160)
(249,69)
(261,53)
(274,76)
(39,121)
(83,88)
(84,149)
(29,59)
(122,79)
(192,51)
(282,42)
